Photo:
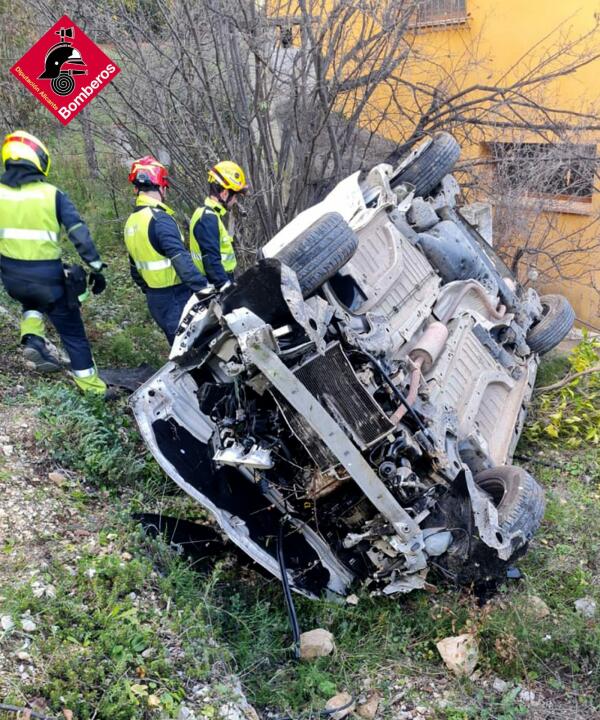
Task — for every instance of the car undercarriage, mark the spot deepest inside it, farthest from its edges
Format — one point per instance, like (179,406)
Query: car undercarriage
(348,411)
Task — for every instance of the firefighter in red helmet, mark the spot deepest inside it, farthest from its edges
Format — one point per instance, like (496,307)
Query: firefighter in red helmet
(160,263)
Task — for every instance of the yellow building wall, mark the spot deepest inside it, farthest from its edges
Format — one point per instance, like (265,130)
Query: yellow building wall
(499,42)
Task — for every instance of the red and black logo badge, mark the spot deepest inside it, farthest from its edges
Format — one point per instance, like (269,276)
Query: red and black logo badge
(65,75)
(59,60)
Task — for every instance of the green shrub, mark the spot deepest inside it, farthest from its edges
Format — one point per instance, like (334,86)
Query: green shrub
(570,415)
(89,436)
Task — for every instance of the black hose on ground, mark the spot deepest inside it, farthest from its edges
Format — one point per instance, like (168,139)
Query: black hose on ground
(287,593)
(291,608)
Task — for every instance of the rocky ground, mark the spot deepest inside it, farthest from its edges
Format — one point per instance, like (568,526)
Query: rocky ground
(53,524)
(67,552)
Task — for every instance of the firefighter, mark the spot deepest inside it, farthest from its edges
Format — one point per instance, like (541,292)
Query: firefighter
(160,264)
(31,214)
(211,244)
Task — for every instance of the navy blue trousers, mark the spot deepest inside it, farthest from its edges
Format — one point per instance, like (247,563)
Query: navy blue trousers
(39,285)
(166,306)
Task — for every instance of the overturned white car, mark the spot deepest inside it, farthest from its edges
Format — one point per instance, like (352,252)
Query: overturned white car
(348,411)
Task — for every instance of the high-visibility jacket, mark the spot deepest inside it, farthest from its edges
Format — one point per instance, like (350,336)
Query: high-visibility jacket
(228,259)
(29,228)
(156,270)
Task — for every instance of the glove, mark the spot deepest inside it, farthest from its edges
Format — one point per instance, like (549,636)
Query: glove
(206,293)
(225,286)
(76,290)
(97,282)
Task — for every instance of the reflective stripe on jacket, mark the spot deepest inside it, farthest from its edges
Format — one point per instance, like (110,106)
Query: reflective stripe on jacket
(156,270)
(29,228)
(228,259)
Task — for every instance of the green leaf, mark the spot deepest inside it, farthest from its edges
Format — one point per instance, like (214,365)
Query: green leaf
(139,690)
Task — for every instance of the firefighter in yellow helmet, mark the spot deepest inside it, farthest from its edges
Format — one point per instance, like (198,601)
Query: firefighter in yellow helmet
(211,244)
(32,212)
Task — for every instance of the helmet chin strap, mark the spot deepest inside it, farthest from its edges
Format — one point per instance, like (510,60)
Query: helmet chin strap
(230,195)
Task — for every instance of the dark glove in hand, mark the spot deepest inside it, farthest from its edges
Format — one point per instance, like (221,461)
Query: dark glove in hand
(97,282)
(206,292)
(225,286)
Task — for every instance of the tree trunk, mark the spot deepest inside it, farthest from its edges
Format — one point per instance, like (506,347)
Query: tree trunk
(89,144)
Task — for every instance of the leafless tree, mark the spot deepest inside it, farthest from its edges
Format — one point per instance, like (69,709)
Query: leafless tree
(283,94)
(17,108)
(545,223)
(302,92)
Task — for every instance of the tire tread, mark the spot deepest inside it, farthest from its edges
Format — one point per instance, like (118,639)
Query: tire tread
(428,169)
(522,508)
(320,251)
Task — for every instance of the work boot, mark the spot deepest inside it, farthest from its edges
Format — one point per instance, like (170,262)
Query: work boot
(36,352)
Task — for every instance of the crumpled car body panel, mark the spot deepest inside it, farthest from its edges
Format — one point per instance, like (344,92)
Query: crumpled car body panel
(358,417)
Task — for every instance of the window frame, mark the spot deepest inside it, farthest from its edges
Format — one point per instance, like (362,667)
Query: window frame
(569,203)
(428,19)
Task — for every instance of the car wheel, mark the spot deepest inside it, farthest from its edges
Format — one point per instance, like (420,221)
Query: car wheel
(320,251)
(428,168)
(556,321)
(518,498)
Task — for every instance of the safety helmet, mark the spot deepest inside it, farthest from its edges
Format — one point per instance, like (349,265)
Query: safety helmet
(21,146)
(148,171)
(61,54)
(228,175)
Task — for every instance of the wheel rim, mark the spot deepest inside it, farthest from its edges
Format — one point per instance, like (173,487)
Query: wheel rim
(543,316)
(495,488)
(545,310)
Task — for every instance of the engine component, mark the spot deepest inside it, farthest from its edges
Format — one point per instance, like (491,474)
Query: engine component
(437,541)
(332,380)
(421,215)
(236,454)
(387,470)
(446,193)
(497,351)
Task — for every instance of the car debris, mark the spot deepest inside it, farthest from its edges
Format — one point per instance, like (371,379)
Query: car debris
(360,391)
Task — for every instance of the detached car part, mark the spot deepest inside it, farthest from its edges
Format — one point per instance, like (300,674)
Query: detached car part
(349,410)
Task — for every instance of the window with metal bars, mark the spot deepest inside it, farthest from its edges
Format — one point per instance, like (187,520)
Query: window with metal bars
(430,13)
(563,171)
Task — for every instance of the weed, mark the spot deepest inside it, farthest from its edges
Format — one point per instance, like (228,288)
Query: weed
(100,642)
(571,414)
(84,434)
(485,707)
